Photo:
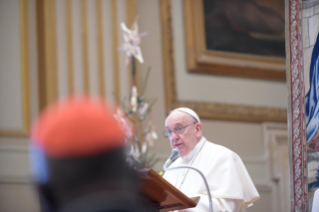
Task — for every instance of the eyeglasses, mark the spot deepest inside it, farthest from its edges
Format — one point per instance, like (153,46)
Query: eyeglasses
(177,130)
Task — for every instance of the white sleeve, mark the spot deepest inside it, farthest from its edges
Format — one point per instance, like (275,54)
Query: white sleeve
(224,205)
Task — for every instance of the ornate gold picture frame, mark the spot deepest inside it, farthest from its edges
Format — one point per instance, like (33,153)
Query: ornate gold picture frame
(206,110)
(203,60)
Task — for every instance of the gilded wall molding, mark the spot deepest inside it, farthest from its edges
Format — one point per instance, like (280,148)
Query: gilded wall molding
(99,27)
(85,45)
(25,81)
(115,52)
(69,33)
(200,59)
(206,110)
(47,51)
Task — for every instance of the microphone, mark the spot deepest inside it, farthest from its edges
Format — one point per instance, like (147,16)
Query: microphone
(174,154)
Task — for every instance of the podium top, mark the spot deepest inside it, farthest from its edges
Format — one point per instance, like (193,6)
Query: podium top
(164,195)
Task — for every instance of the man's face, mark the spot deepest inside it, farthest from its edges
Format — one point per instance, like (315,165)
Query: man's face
(186,141)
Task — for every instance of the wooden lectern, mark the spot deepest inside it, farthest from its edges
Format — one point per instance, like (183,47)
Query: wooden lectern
(164,196)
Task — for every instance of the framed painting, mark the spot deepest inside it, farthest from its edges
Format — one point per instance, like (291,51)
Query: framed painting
(206,109)
(236,37)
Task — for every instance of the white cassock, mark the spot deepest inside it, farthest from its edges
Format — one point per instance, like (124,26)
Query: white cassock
(229,182)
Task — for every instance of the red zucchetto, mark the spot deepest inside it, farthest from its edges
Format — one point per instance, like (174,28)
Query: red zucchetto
(79,126)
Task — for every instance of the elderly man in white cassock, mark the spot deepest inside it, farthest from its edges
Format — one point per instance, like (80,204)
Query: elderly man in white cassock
(228,180)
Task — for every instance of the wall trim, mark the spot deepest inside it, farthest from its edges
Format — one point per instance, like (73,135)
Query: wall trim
(47,52)
(85,45)
(69,31)
(25,76)
(100,52)
(16,180)
(296,116)
(115,52)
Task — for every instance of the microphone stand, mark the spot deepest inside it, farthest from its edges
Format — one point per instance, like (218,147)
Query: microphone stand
(201,174)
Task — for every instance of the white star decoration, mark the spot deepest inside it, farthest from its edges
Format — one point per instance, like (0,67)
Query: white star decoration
(132,41)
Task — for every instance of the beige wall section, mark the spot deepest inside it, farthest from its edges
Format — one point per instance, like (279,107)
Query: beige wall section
(92,48)
(11,113)
(91,52)
(62,52)
(17,197)
(16,190)
(33,61)
(17,193)
(108,50)
(152,54)
(77,47)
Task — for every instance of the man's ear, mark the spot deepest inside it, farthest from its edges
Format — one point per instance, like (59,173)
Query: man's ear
(199,128)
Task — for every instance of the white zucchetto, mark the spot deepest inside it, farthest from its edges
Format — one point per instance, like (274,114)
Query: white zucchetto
(188,111)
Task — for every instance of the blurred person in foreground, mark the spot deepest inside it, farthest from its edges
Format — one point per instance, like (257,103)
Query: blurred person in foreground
(78,159)
(229,182)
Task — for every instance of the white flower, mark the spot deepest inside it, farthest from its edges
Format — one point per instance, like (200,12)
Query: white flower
(142,110)
(134,99)
(132,152)
(151,136)
(136,153)
(144,147)
(154,135)
(132,41)
(123,123)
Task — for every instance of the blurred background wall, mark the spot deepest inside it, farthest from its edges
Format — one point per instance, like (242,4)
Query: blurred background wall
(52,48)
